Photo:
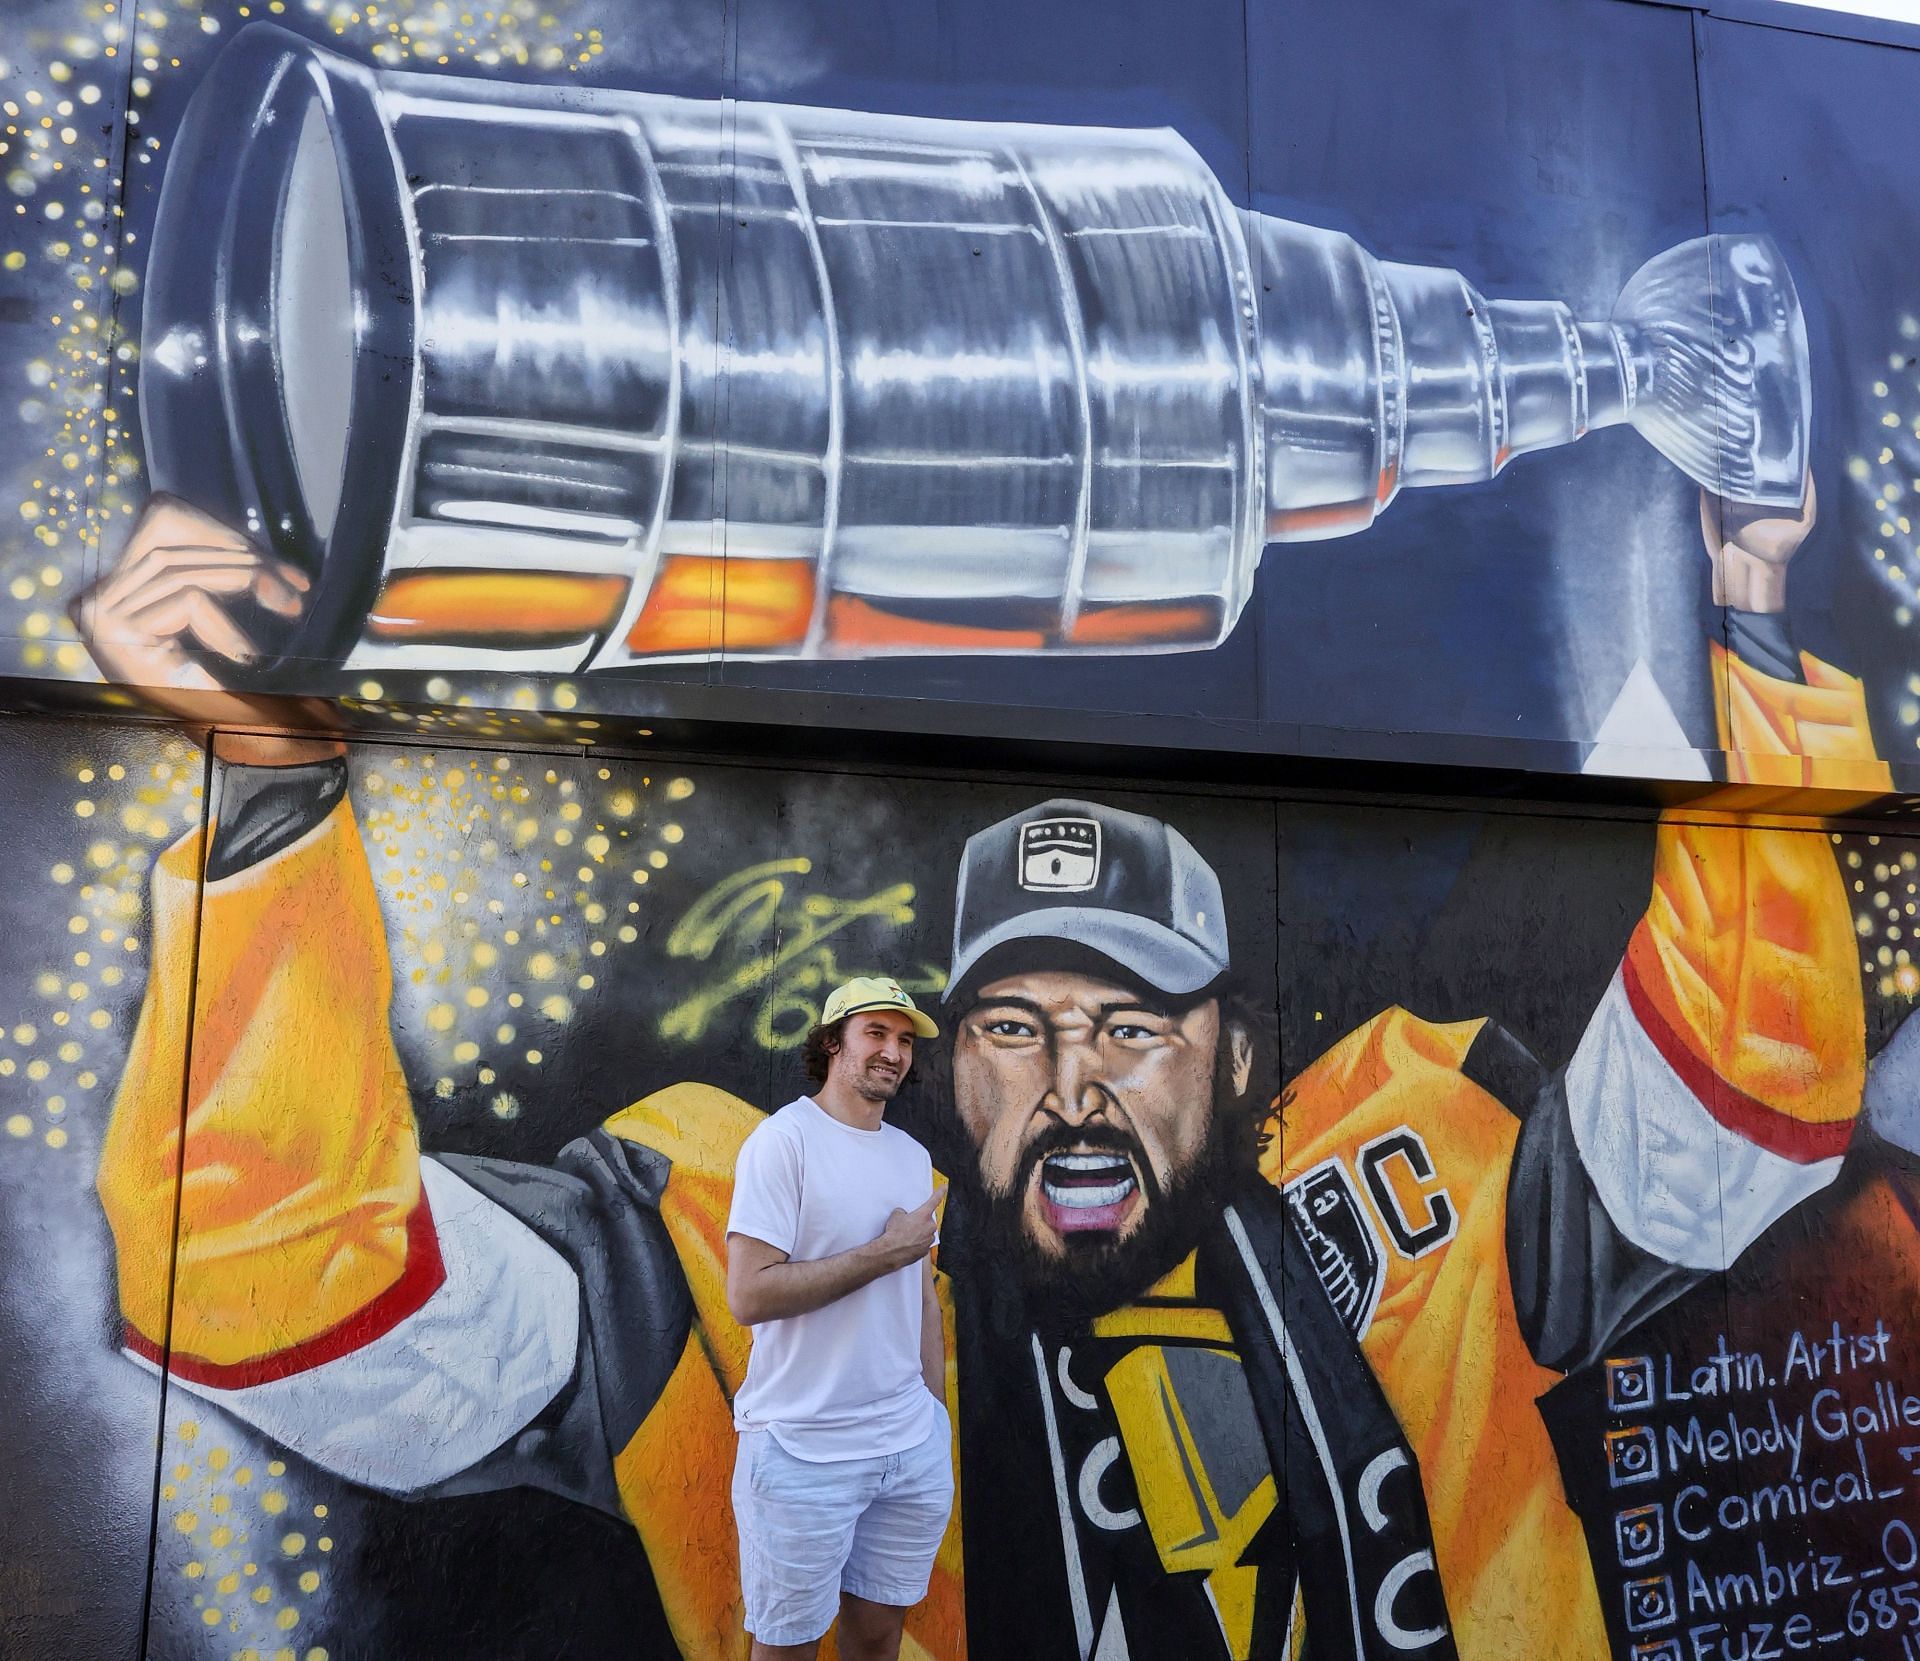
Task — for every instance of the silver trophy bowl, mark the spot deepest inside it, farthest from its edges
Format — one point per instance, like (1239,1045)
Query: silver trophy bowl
(560,378)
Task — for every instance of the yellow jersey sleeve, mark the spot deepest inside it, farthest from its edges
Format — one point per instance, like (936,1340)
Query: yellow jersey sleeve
(1782,738)
(1744,970)
(293,1155)
(1718,1083)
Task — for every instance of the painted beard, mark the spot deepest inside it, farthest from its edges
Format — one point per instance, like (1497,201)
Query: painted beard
(1089,1178)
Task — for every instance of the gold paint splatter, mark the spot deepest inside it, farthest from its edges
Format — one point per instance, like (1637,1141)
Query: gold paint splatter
(258,1602)
(78,262)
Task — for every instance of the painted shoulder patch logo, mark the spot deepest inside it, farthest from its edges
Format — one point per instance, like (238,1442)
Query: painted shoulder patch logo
(1345,1249)
(1060,855)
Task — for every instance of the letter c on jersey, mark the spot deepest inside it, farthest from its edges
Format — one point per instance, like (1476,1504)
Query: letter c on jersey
(1413,1236)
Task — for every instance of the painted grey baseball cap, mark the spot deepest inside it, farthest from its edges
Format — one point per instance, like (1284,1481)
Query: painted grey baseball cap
(1125,886)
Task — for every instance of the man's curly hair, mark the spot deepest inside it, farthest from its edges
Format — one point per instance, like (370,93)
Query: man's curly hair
(816,1055)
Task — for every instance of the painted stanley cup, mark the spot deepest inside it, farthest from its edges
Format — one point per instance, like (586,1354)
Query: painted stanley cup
(544,377)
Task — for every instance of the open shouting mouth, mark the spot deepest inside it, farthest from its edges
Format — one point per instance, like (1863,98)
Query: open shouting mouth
(1080,1192)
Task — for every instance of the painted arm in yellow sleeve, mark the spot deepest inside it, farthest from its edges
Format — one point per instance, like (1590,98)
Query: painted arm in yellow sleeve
(294,1155)
(292,1158)
(281,1243)
(1718,1083)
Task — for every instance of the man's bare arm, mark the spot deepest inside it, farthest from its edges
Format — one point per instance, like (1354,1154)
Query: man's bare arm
(933,1339)
(763,1284)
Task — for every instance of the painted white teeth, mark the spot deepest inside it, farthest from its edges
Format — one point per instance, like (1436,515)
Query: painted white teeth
(1086,1161)
(1079,1198)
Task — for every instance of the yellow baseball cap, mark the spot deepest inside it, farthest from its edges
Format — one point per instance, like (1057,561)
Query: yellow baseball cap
(866,992)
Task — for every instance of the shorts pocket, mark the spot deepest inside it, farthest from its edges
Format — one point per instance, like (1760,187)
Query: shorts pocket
(768,1465)
(757,1442)
(931,1463)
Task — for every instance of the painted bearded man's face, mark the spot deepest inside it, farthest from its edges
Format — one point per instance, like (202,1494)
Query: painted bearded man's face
(1103,1117)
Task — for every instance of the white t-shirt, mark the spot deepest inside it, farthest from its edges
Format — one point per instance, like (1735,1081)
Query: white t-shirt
(842,1381)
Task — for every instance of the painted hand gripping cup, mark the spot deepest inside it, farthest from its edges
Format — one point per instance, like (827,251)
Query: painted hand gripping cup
(547,378)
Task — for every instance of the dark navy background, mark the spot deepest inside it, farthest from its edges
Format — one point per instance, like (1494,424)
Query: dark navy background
(1840,200)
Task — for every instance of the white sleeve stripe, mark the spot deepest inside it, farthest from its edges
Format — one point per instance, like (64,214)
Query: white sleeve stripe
(1675,1181)
(443,1388)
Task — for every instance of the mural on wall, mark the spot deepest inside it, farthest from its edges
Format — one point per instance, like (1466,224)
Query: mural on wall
(1373,1232)
(1397,1342)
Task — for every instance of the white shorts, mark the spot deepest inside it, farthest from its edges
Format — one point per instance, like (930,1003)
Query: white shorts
(809,1532)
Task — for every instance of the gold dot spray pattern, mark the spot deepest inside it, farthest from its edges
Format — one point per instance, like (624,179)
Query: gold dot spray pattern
(551,378)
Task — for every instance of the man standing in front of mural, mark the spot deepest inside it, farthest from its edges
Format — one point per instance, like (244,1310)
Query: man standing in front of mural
(844,1479)
(1235,1355)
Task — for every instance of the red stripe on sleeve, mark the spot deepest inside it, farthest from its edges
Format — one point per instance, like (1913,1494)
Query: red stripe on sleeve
(1732,1108)
(420,1277)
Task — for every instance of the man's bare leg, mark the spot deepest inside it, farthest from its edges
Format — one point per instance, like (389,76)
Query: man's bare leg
(785,1652)
(869,1631)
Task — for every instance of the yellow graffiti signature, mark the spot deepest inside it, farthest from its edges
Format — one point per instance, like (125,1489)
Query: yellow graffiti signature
(769,942)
